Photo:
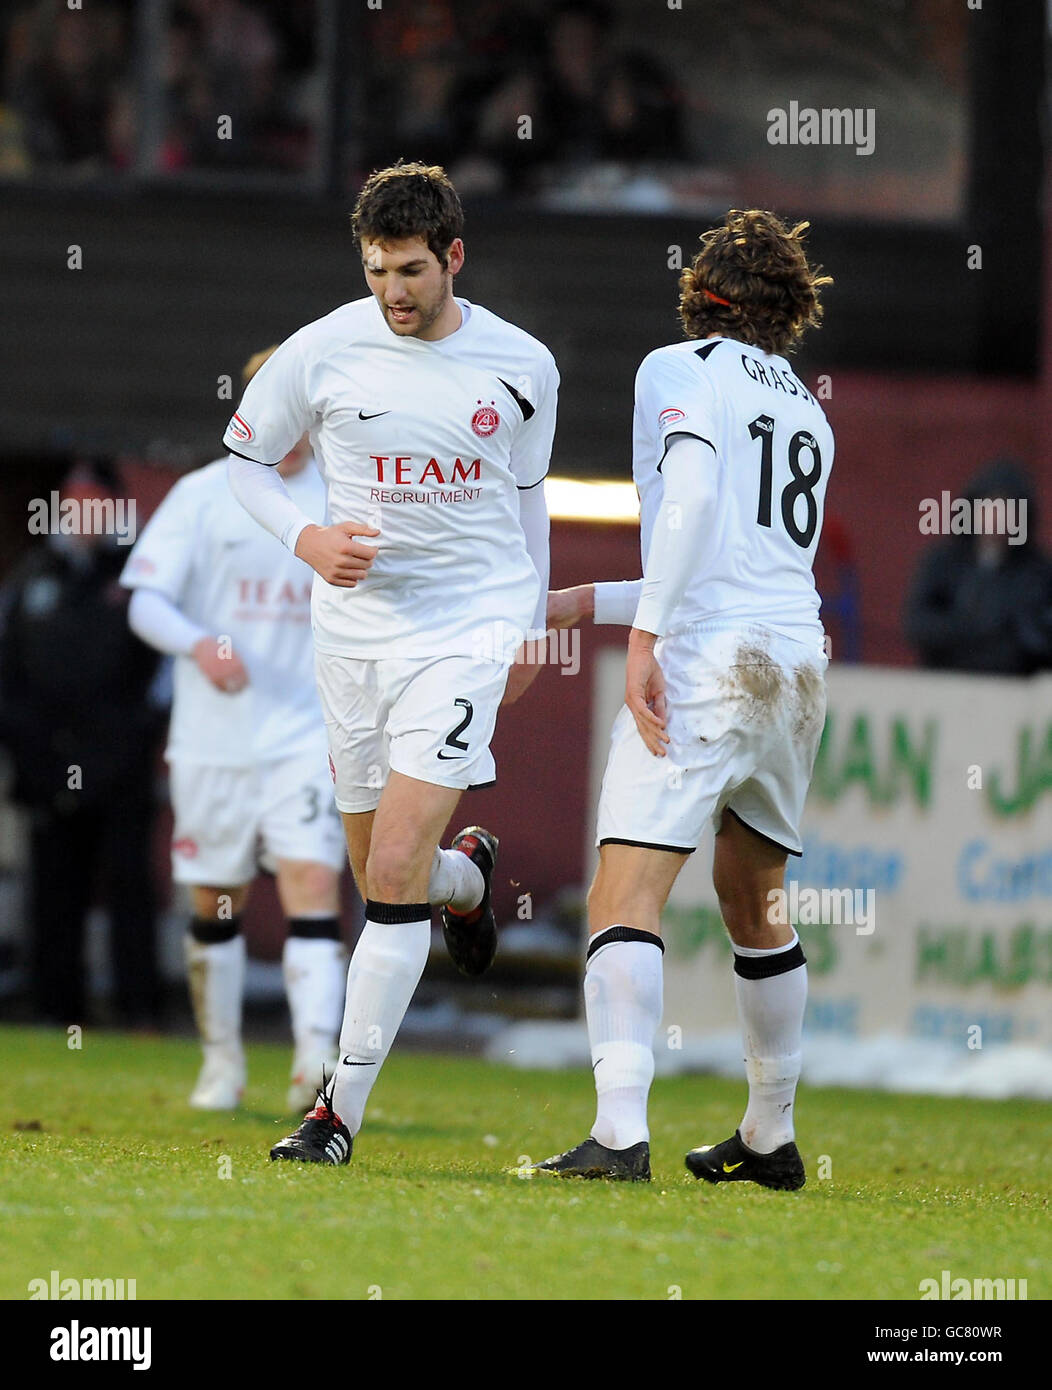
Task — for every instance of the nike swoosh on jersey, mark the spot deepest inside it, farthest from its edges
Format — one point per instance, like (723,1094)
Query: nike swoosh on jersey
(451,757)
(375,415)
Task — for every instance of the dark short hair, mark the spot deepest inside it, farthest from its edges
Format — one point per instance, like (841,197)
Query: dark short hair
(406,201)
(751,280)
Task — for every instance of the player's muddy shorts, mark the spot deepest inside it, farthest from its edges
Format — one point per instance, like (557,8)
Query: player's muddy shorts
(745,714)
(231,820)
(431,718)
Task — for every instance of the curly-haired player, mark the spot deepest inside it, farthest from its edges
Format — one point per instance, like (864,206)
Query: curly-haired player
(724,694)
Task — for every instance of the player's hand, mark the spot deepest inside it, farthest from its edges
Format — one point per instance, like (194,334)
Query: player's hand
(568,607)
(335,554)
(524,671)
(220,664)
(645,691)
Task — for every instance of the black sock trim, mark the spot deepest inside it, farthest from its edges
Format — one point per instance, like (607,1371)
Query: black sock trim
(763,967)
(605,937)
(214,933)
(395,914)
(315,928)
(646,844)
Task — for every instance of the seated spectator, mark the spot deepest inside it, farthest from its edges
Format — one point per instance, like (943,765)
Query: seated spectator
(979,602)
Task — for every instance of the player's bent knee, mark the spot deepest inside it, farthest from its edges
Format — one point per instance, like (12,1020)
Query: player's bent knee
(745,917)
(314,883)
(217,904)
(391,873)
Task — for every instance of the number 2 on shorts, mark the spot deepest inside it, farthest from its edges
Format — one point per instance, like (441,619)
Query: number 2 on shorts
(453,739)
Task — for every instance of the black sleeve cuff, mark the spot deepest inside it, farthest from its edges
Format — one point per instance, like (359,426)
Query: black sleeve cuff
(683,434)
(247,459)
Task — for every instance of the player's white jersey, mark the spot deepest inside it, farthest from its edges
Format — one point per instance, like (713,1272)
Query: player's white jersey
(427,441)
(773,450)
(204,552)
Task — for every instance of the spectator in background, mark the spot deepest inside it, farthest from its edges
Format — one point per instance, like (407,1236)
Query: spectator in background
(642,114)
(82,738)
(589,103)
(71,84)
(558,85)
(980,603)
(59,69)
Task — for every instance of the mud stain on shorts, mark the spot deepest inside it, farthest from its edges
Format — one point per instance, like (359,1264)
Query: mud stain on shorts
(808,699)
(753,683)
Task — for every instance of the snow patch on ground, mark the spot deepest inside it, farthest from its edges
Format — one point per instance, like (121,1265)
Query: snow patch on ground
(883,1063)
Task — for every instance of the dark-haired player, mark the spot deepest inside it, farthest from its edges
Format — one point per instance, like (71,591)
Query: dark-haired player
(432,420)
(724,694)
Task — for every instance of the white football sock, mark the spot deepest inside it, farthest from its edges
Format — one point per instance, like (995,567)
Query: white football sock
(217,975)
(382,977)
(771,1009)
(455,882)
(315,981)
(622,996)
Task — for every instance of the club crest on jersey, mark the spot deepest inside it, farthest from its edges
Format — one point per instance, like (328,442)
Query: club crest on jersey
(186,847)
(485,420)
(672,416)
(241,429)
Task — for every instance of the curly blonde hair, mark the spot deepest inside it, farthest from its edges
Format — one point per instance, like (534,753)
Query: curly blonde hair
(751,280)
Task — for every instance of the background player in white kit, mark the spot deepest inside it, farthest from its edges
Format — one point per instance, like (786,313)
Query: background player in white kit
(432,420)
(724,692)
(248,760)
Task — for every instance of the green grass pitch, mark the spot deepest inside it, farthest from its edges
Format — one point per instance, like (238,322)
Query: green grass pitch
(106,1173)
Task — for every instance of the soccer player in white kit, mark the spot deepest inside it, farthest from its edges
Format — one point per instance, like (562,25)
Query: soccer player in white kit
(248,760)
(724,692)
(432,420)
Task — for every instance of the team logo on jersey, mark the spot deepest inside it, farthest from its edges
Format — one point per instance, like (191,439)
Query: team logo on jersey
(186,847)
(672,416)
(485,420)
(241,429)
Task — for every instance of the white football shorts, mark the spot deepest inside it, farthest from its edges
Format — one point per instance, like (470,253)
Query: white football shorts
(229,821)
(431,718)
(746,707)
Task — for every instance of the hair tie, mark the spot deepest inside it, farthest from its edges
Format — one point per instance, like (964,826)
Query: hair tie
(715,298)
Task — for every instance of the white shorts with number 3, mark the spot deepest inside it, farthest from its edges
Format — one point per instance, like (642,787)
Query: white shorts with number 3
(229,821)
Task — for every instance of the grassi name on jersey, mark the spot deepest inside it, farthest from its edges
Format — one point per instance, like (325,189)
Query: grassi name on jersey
(773,449)
(427,442)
